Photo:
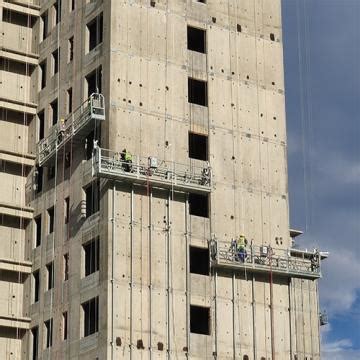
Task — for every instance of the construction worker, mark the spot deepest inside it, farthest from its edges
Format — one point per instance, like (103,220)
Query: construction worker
(61,130)
(241,248)
(126,157)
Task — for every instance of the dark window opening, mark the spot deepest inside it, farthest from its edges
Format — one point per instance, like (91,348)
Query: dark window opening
(66,267)
(45,24)
(197,92)
(95,30)
(72,5)
(54,111)
(202,1)
(57,11)
(67,160)
(51,213)
(56,61)
(65,325)
(238,27)
(71,49)
(91,316)
(199,320)
(38,179)
(272,37)
(245,357)
(50,275)
(41,117)
(42,74)
(198,146)
(49,332)
(199,261)
(91,251)
(92,198)
(36,276)
(35,342)
(94,80)
(51,172)
(69,100)
(67,210)
(89,141)
(196,39)
(37,231)
(199,205)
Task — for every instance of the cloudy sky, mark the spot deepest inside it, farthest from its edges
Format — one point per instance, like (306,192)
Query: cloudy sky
(322,70)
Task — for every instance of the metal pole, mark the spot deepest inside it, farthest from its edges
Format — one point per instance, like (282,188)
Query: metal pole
(131,269)
(233,315)
(112,270)
(168,276)
(150,275)
(215,305)
(254,315)
(187,277)
(290,319)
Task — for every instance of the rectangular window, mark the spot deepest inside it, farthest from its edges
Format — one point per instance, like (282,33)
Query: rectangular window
(196,39)
(57,11)
(198,146)
(67,160)
(41,117)
(66,210)
(55,60)
(197,92)
(199,261)
(39,171)
(35,342)
(50,172)
(45,23)
(69,100)
(48,333)
(91,316)
(71,49)
(51,213)
(95,32)
(93,81)
(72,5)
(65,325)
(54,111)
(199,320)
(92,198)
(91,252)
(66,267)
(36,282)
(50,275)
(37,222)
(42,74)
(199,205)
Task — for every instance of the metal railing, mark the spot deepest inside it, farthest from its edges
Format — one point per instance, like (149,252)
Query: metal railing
(91,109)
(255,258)
(151,170)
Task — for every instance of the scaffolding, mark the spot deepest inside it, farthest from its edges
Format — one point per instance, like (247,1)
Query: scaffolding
(265,259)
(151,170)
(75,127)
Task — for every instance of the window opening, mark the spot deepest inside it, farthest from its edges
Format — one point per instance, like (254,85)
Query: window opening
(36,278)
(45,24)
(69,100)
(39,171)
(50,275)
(91,251)
(55,59)
(37,231)
(196,39)
(199,320)
(199,205)
(65,325)
(91,316)
(48,332)
(199,260)
(35,342)
(67,210)
(92,198)
(66,266)
(94,80)
(54,111)
(42,67)
(71,49)
(51,219)
(197,92)
(51,172)
(95,31)
(41,117)
(198,146)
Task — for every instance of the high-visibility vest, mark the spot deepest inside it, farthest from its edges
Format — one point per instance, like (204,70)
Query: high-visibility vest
(128,156)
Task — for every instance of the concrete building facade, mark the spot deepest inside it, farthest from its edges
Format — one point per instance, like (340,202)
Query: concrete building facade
(141,139)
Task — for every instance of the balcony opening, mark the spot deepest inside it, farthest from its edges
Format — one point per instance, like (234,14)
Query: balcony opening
(66,210)
(69,101)
(91,316)
(50,275)
(36,282)
(42,74)
(92,198)
(196,39)
(66,267)
(71,49)
(93,81)
(44,24)
(197,92)
(91,255)
(198,146)
(199,205)
(54,111)
(55,60)
(95,32)
(48,333)
(199,260)
(65,326)
(41,117)
(35,342)
(51,213)
(199,320)
(37,222)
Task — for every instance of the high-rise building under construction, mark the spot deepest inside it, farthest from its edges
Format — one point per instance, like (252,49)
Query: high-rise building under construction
(144,200)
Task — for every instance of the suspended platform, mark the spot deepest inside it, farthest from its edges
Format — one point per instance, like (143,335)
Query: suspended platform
(151,171)
(75,127)
(264,259)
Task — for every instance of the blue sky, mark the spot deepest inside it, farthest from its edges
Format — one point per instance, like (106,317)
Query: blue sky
(322,73)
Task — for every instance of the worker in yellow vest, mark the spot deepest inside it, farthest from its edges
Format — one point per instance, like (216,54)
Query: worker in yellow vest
(241,248)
